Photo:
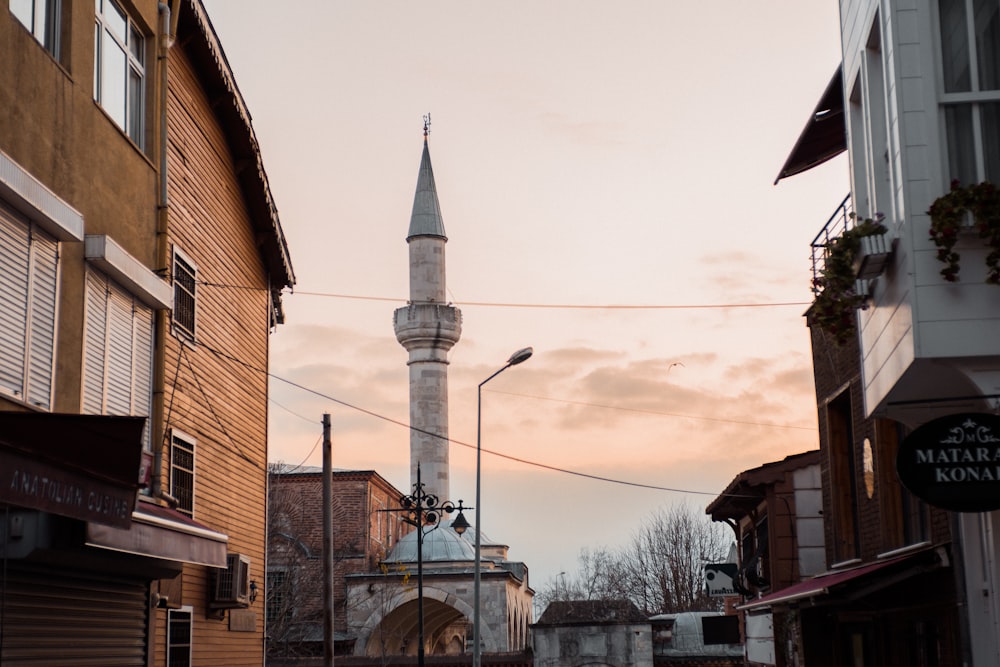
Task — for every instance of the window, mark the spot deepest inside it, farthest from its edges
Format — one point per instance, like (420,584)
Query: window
(869,138)
(29,271)
(970,55)
(182,471)
(118,351)
(179,637)
(905,518)
(843,478)
(185,274)
(119,68)
(278,588)
(41,18)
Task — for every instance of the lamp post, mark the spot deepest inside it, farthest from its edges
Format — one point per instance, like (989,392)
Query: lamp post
(518,357)
(422,509)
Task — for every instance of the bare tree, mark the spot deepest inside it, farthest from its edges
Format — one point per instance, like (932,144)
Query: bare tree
(661,570)
(293,568)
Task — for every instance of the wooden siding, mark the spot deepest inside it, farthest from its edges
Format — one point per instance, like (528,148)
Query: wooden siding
(217,387)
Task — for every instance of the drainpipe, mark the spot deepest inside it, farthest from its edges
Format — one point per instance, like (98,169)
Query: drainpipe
(157,426)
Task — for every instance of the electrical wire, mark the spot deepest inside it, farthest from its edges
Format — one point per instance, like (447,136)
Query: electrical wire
(501,455)
(546,306)
(208,403)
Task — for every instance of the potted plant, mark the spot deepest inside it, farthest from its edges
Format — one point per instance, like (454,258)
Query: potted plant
(837,297)
(952,212)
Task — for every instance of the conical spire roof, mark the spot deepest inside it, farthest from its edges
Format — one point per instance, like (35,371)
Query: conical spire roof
(426,218)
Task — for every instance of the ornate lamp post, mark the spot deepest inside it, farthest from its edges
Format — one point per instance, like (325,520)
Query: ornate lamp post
(518,357)
(424,511)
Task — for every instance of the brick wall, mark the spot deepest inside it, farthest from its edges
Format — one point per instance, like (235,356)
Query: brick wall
(362,535)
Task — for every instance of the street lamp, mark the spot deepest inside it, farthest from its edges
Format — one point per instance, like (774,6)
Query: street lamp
(518,357)
(422,509)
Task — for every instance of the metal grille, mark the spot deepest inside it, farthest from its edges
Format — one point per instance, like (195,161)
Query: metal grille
(834,228)
(184,297)
(182,474)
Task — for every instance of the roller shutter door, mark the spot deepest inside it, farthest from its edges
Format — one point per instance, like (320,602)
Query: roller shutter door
(55,618)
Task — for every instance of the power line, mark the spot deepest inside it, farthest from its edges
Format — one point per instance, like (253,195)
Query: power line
(546,306)
(508,457)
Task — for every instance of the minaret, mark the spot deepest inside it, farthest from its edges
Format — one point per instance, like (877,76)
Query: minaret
(428,327)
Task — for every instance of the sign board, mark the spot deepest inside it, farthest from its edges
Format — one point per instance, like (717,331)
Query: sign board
(954,462)
(719,579)
(35,484)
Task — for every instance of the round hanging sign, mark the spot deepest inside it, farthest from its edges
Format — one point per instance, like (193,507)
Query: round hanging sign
(954,462)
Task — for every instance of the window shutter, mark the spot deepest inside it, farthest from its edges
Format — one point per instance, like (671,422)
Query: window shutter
(118,362)
(44,277)
(14,244)
(95,347)
(119,375)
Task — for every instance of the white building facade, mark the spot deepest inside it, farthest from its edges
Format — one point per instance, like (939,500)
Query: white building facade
(921,87)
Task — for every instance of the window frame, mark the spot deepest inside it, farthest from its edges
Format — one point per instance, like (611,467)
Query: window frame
(46,23)
(843,469)
(181,440)
(171,646)
(185,328)
(961,138)
(132,46)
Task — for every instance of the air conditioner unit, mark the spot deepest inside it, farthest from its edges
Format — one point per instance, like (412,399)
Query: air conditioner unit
(232,585)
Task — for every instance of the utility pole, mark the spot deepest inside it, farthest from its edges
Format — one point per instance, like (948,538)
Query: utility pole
(327,543)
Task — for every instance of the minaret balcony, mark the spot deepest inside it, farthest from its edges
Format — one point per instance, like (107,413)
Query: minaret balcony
(428,326)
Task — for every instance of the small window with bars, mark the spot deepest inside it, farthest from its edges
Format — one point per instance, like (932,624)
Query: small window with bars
(185,280)
(179,637)
(182,472)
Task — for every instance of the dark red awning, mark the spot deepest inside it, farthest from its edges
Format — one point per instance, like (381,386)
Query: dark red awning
(825,134)
(160,532)
(829,582)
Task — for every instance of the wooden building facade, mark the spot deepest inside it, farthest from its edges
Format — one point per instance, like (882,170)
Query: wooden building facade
(141,265)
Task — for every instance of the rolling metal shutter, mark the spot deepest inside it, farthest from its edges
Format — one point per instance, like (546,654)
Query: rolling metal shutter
(60,619)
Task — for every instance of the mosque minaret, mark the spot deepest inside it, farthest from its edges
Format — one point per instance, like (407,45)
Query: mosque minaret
(428,327)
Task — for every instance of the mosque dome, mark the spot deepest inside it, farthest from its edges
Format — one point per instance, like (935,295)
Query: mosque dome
(440,544)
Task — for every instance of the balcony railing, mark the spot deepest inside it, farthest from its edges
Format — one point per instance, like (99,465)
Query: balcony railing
(839,222)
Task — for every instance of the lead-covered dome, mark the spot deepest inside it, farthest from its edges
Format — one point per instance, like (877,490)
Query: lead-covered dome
(440,544)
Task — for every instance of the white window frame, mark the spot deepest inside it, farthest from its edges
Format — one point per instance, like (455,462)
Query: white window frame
(973,99)
(116,33)
(29,322)
(181,440)
(118,341)
(181,263)
(42,19)
(171,646)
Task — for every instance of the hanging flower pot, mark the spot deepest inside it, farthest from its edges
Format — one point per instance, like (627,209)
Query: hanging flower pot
(950,215)
(836,286)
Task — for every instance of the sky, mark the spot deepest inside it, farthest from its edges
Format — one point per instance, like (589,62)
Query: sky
(605,172)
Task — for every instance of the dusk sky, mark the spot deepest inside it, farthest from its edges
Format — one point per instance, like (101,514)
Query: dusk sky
(605,172)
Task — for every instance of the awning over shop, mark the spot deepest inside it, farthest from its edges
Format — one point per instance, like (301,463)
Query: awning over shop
(79,466)
(825,134)
(890,571)
(160,532)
